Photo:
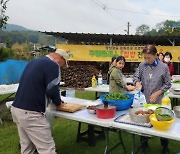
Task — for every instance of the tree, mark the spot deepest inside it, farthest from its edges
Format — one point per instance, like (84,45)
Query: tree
(142,30)
(165,28)
(3,17)
(152,32)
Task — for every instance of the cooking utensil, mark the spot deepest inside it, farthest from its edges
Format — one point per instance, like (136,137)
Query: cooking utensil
(163,114)
(91,109)
(105,112)
(177,111)
(140,115)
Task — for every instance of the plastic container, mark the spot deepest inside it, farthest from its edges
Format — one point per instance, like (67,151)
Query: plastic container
(100,80)
(139,99)
(166,102)
(120,104)
(160,125)
(94,82)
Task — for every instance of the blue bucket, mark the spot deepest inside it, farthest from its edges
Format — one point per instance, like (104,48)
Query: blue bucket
(120,104)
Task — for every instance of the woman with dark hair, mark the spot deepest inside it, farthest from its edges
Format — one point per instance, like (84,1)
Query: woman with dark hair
(167,60)
(112,64)
(153,79)
(161,57)
(117,81)
(113,60)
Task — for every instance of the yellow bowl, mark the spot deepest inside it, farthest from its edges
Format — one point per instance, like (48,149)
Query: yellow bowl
(160,125)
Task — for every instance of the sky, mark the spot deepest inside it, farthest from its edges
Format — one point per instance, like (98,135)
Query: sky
(91,16)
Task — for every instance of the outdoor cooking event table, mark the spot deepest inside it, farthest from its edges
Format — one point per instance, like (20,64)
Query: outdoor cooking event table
(105,89)
(85,117)
(7,89)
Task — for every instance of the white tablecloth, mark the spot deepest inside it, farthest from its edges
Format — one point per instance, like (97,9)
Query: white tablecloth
(8,89)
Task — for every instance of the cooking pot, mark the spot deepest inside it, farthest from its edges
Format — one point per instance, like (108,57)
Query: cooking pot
(105,112)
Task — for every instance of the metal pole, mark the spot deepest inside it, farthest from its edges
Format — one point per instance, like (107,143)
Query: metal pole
(128,28)
(110,43)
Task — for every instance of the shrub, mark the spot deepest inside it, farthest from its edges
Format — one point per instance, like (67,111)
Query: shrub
(5,53)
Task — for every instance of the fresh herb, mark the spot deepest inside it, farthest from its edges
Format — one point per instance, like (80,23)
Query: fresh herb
(116,96)
(165,115)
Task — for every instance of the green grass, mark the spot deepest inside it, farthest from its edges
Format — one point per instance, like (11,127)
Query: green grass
(64,133)
(85,94)
(2,97)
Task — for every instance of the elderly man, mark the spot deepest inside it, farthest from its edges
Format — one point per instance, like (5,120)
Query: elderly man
(40,80)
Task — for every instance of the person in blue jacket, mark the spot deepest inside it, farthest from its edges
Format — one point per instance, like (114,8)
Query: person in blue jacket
(39,81)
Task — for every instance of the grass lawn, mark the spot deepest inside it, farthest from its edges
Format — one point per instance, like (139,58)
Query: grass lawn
(85,94)
(64,132)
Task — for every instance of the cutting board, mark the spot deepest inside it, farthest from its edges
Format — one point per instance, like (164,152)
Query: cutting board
(70,107)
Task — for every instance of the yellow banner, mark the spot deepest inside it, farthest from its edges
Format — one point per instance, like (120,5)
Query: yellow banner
(104,53)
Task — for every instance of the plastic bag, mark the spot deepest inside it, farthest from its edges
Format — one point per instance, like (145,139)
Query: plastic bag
(139,99)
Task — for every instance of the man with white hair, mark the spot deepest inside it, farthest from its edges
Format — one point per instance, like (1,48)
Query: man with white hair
(40,80)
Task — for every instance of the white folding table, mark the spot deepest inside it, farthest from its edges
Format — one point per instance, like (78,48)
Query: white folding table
(85,117)
(7,89)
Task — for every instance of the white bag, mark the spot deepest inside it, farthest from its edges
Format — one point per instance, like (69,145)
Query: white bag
(139,99)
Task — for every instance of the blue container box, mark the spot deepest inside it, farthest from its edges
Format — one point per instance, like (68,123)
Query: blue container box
(120,104)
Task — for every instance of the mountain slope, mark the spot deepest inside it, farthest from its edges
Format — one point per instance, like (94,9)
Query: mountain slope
(13,27)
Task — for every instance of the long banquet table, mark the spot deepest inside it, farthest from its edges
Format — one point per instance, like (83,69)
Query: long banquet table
(85,117)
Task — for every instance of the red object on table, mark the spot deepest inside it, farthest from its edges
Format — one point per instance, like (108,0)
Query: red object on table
(105,112)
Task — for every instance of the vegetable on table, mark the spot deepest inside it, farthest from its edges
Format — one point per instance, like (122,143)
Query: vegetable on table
(116,96)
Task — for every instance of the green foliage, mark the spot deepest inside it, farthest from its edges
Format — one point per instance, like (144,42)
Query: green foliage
(21,37)
(3,18)
(164,28)
(22,43)
(5,53)
(142,30)
(116,96)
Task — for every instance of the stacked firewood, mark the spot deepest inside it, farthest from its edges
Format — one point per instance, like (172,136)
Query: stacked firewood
(78,76)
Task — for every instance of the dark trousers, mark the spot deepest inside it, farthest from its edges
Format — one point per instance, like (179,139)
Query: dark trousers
(144,142)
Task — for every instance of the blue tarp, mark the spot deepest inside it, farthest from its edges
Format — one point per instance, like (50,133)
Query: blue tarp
(11,70)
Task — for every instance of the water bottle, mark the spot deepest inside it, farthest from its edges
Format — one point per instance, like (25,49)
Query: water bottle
(100,78)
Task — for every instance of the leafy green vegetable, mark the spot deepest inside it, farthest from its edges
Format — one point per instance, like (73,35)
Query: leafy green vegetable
(116,96)
(165,115)
(176,81)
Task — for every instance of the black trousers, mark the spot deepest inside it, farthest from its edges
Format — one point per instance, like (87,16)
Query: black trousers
(144,142)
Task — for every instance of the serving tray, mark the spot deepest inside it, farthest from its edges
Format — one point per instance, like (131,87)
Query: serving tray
(125,118)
